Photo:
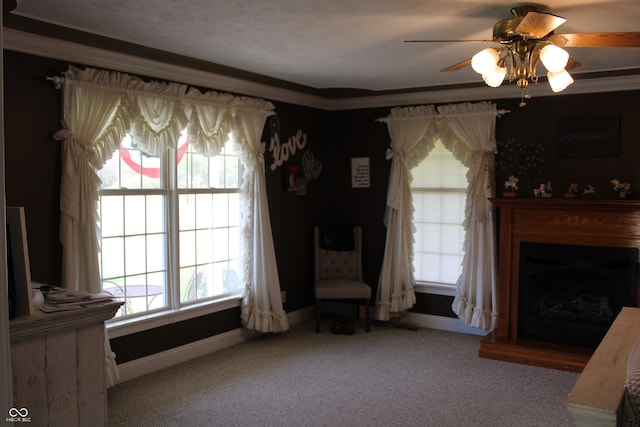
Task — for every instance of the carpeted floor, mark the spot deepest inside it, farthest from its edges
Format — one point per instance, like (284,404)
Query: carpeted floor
(389,377)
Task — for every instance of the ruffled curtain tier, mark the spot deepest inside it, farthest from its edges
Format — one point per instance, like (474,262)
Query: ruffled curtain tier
(469,132)
(412,137)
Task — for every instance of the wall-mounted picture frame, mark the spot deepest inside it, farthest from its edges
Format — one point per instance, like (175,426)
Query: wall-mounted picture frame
(18,267)
(290,178)
(360,172)
(589,136)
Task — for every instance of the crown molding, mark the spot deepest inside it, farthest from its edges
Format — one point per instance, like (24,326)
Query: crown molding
(485,93)
(34,44)
(95,57)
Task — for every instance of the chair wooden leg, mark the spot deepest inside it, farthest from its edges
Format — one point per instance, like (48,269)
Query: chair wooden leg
(317,315)
(367,315)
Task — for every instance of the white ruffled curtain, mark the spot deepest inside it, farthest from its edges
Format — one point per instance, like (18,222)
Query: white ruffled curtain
(262,303)
(94,122)
(92,130)
(468,130)
(412,137)
(100,107)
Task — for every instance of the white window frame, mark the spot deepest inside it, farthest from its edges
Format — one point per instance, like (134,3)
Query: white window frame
(174,311)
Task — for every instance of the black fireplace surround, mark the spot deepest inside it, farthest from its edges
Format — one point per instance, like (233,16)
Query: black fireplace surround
(570,294)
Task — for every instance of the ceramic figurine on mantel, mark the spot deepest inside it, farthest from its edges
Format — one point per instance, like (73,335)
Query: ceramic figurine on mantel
(621,190)
(589,192)
(544,190)
(572,191)
(511,187)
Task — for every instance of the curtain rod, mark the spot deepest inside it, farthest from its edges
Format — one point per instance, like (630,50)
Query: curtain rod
(436,115)
(239,102)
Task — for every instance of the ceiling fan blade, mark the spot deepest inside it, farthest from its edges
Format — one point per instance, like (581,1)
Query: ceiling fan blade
(451,41)
(539,24)
(596,40)
(572,63)
(458,66)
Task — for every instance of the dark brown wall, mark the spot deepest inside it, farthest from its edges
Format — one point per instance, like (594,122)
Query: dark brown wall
(32,115)
(356,133)
(333,138)
(32,157)
(538,123)
(292,215)
(141,344)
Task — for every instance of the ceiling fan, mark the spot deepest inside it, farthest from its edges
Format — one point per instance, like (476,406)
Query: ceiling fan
(528,39)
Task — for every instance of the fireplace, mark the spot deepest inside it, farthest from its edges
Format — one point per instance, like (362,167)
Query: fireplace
(593,234)
(571,294)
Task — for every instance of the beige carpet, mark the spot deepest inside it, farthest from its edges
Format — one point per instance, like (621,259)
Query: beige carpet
(389,377)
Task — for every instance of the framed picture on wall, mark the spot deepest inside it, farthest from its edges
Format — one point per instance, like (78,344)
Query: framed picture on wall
(360,173)
(18,267)
(589,136)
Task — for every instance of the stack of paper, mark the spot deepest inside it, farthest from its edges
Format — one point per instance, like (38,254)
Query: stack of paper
(61,299)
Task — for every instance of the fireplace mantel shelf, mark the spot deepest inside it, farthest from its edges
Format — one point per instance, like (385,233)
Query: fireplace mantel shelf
(562,203)
(595,222)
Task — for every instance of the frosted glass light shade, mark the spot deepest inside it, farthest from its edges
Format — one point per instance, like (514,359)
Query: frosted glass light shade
(554,58)
(495,77)
(559,81)
(485,61)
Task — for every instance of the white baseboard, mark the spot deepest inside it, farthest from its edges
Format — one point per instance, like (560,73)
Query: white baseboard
(440,322)
(301,315)
(419,320)
(149,364)
(146,365)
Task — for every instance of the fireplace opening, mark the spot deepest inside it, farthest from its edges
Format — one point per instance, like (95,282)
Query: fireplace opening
(570,294)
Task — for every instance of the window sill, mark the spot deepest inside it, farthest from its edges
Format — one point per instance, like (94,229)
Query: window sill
(435,289)
(121,328)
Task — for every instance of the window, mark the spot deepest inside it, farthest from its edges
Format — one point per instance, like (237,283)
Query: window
(169,227)
(439,194)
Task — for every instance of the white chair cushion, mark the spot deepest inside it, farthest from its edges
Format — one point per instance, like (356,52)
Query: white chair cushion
(342,289)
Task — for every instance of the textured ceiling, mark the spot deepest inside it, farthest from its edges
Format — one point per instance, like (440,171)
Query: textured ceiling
(327,44)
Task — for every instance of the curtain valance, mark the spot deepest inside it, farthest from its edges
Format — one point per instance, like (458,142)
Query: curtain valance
(155,113)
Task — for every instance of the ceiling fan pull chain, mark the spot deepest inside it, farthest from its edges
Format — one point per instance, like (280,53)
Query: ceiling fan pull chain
(522,103)
(525,95)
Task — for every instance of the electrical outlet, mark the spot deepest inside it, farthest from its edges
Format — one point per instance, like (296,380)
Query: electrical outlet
(283,295)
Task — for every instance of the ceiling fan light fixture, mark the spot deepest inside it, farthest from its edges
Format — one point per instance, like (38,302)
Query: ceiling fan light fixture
(560,80)
(484,62)
(554,58)
(528,39)
(495,77)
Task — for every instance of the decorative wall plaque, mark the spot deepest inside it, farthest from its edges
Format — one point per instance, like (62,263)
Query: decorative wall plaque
(360,177)
(589,136)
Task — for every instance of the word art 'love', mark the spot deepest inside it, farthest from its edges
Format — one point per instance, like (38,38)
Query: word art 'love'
(281,152)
